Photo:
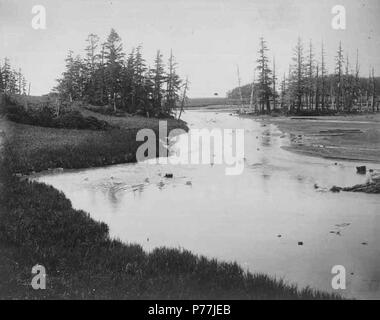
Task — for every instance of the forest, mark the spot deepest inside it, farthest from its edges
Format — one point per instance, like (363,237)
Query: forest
(308,87)
(108,77)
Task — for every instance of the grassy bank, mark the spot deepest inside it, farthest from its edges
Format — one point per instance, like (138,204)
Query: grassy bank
(32,148)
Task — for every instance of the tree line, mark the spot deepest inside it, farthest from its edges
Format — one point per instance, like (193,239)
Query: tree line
(12,81)
(308,86)
(106,76)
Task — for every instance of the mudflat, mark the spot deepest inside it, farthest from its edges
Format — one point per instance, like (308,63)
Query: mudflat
(351,137)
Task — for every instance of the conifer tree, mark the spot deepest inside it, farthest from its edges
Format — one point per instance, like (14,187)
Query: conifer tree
(298,75)
(264,76)
(339,62)
(91,62)
(310,76)
(114,63)
(158,77)
(173,83)
(323,78)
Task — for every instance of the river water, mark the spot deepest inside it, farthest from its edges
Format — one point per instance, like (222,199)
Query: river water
(257,218)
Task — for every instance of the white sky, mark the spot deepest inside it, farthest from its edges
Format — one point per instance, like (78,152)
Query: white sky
(208,38)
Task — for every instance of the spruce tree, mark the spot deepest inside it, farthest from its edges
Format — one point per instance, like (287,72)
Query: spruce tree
(158,78)
(264,76)
(114,63)
(298,75)
(173,85)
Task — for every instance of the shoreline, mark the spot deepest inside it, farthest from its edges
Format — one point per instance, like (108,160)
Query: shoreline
(331,137)
(314,153)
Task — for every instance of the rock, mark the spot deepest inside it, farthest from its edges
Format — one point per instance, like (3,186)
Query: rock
(335,189)
(300,243)
(279,236)
(371,170)
(168,175)
(316,186)
(364,243)
(188,183)
(361,170)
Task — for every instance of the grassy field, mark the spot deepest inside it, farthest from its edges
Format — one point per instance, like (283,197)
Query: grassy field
(39,226)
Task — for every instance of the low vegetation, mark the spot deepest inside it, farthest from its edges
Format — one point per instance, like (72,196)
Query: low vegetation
(45,116)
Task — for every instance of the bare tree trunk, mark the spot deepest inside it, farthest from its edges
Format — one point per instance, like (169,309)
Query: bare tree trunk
(373,90)
(114,102)
(183,99)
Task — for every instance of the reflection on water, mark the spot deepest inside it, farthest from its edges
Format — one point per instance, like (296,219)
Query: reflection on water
(256,218)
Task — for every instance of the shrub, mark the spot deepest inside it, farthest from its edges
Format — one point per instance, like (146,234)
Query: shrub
(44,116)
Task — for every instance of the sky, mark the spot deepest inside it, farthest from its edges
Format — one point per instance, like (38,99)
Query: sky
(209,38)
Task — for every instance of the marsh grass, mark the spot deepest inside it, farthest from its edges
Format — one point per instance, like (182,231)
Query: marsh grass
(30,148)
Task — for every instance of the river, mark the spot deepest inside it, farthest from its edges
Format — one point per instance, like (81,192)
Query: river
(270,218)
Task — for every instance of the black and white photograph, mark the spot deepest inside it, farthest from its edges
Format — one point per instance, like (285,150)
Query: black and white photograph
(189,150)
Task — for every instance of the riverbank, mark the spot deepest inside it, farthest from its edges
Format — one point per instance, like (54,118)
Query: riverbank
(32,148)
(39,226)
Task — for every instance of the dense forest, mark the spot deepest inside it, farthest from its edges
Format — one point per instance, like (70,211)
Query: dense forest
(106,76)
(308,87)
